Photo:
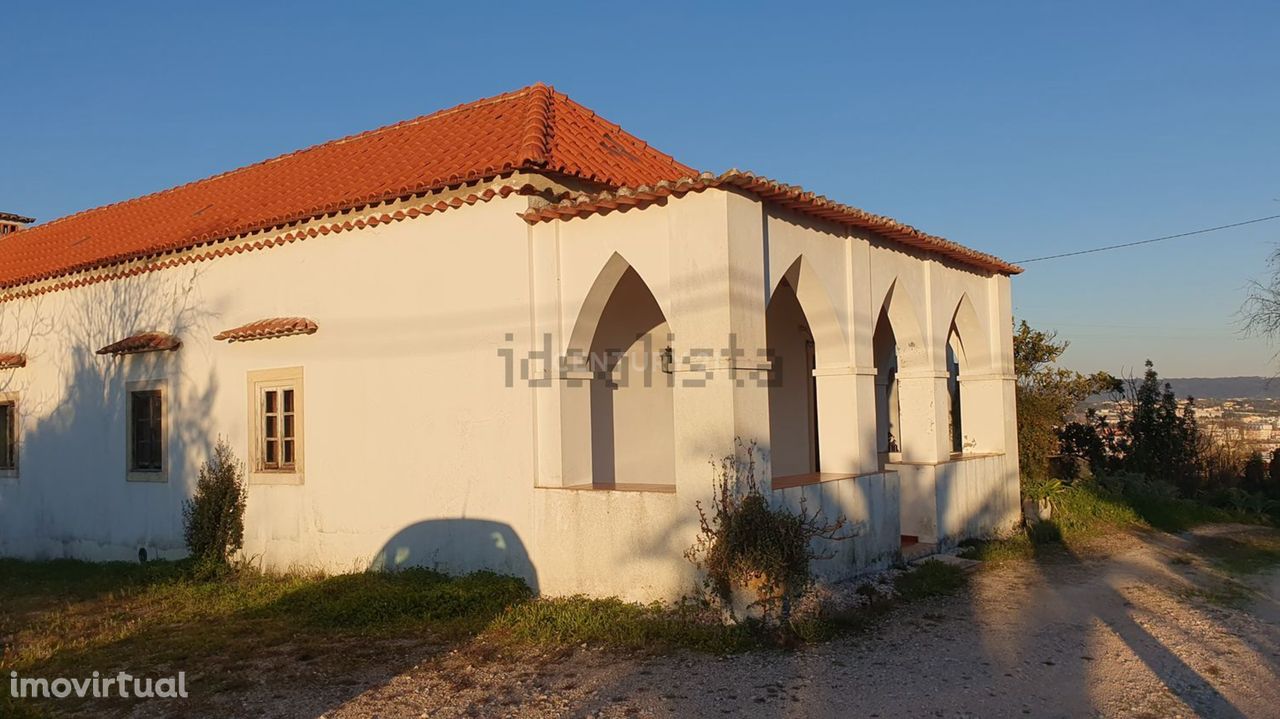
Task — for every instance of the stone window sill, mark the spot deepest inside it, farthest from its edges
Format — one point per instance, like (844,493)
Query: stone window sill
(637,487)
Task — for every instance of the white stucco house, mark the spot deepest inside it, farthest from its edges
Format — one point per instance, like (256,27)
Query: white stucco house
(507,335)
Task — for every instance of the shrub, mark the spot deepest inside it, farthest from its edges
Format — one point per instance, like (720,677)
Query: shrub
(745,543)
(1047,490)
(1250,503)
(213,520)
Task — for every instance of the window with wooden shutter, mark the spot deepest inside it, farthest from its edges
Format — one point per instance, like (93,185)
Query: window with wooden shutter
(276,401)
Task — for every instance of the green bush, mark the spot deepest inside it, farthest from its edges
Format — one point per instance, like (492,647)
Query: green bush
(745,543)
(213,520)
(1042,489)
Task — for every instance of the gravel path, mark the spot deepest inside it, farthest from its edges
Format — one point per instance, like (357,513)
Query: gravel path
(1132,631)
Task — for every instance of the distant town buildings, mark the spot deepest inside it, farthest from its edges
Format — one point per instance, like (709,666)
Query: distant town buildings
(1251,424)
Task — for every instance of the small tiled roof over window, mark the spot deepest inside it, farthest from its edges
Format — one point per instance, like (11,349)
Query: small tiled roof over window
(268,328)
(143,342)
(12,360)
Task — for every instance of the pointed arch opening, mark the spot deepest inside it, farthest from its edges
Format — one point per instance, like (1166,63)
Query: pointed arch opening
(968,355)
(897,346)
(620,418)
(888,409)
(793,389)
(811,417)
(955,414)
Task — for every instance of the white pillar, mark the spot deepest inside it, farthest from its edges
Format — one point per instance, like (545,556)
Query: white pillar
(718,319)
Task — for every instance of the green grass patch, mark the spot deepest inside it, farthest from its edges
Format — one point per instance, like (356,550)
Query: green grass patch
(1080,512)
(1229,593)
(380,601)
(1242,554)
(1088,510)
(929,579)
(1179,515)
(1012,548)
(569,621)
(71,579)
(67,618)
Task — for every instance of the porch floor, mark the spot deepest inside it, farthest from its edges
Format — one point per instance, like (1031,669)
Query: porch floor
(913,549)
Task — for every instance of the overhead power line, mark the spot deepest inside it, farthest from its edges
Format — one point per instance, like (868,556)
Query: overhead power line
(1153,239)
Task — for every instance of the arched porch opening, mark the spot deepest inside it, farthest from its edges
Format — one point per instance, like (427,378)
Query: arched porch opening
(793,390)
(812,405)
(632,412)
(955,413)
(973,398)
(888,408)
(898,349)
(618,420)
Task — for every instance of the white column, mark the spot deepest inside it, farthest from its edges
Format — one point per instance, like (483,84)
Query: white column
(718,303)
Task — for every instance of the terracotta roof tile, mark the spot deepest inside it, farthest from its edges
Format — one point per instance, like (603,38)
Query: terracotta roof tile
(789,196)
(12,360)
(143,342)
(533,129)
(265,329)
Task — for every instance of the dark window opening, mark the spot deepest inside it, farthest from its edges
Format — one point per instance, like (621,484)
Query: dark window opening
(8,436)
(146,431)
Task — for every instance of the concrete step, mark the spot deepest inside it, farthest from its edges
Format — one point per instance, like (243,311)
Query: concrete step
(953,560)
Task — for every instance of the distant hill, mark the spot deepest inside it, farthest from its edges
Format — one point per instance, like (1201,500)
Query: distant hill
(1226,387)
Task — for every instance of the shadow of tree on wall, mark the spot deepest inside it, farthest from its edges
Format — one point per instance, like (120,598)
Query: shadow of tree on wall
(23,326)
(72,489)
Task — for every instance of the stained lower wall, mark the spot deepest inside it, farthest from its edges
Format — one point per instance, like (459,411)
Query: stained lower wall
(964,498)
(869,506)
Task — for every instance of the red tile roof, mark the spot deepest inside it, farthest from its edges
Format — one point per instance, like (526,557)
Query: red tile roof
(264,329)
(789,196)
(534,129)
(144,342)
(12,360)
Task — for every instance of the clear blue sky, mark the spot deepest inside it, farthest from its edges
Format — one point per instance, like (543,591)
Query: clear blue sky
(1018,128)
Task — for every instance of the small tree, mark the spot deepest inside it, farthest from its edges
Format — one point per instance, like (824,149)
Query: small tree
(1255,473)
(1047,395)
(1163,442)
(745,543)
(1261,310)
(1273,475)
(214,518)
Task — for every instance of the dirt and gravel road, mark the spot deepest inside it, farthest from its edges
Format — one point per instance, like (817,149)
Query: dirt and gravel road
(1148,626)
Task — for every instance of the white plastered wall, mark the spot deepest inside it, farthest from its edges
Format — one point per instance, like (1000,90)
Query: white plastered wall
(418,449)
